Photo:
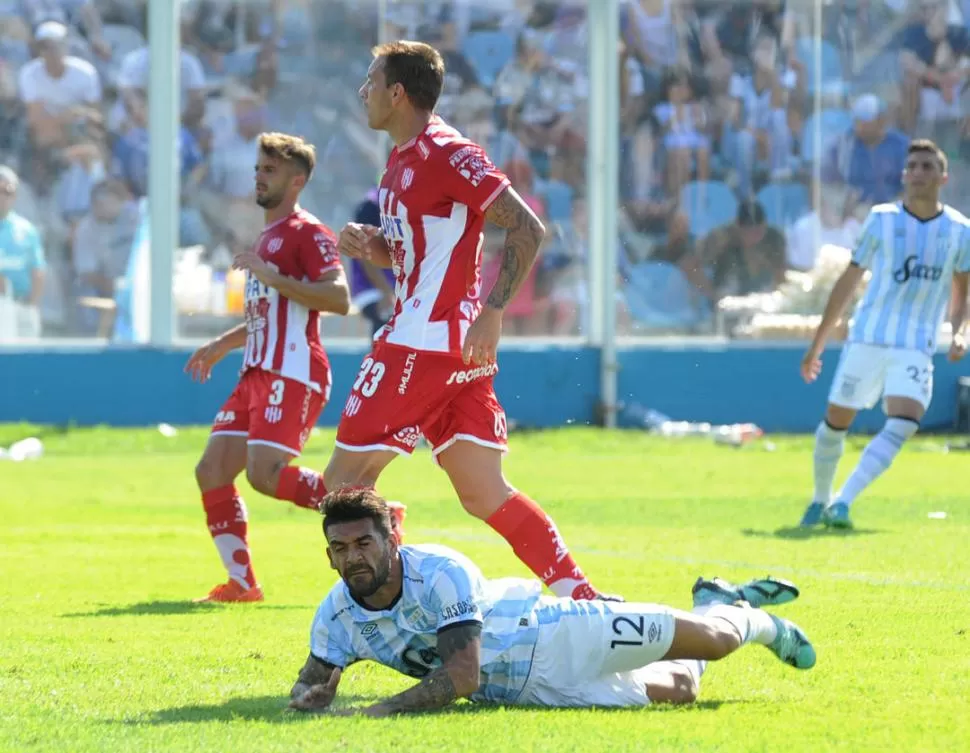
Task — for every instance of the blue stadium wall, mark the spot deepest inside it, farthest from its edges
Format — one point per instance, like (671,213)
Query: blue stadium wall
(539,385)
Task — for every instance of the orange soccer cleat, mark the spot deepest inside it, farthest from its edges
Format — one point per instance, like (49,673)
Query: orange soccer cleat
(232,592)
(398,513)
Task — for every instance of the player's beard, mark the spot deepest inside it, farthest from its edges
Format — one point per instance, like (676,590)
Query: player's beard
(360,587)
(269,201)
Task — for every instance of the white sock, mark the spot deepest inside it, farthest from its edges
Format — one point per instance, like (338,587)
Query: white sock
(878,456)
(753,625)
(829,444)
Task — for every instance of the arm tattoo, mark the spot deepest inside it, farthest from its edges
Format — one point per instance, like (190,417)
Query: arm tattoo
(522,239)
(457,645)
(314,672)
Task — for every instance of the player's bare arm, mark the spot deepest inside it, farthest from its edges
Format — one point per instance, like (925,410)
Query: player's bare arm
(958,315)
(200,363)
(329,293)
(838,301)
(316,685)
(364,242)
(524,234)
(458,677)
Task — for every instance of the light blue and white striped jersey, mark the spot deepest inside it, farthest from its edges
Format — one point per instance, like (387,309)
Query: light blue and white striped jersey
(441,588)
(912,262)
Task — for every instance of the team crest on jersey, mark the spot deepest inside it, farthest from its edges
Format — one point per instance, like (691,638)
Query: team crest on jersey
(274,245)
(407,178)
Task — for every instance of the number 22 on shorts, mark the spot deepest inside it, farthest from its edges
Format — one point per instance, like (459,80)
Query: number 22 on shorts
(371,373)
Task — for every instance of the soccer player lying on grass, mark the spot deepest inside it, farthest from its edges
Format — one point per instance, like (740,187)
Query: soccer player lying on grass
(428,612)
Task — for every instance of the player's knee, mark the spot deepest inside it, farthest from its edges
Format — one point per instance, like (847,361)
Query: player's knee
(264,476)
(211,473)
(482,501)
(723,639)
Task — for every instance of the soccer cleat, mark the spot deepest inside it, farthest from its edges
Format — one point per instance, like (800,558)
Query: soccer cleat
(813,515)
(791,645)
(232,592)
(837,516)
(759,592)
(398,514)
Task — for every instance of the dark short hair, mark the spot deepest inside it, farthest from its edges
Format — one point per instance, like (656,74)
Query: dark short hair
(751,213)
(293,150)
(416,66)
(927,145)
(350,504)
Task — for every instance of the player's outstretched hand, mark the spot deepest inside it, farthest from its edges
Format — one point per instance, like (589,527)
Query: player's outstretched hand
(811,366)
(355,239)
(958,348)
(200,363)
(318,697)
(481,340)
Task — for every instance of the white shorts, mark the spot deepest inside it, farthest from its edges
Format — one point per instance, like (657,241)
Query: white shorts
(595,653)
(868,372)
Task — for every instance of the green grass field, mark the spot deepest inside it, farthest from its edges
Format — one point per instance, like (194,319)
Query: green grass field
(103,545)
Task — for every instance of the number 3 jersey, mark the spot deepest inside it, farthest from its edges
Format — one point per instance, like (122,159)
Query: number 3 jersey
(441,588)
(282,336)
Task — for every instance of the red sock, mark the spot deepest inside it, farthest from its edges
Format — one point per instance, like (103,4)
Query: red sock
(225,514)
(302,487)
(536,541)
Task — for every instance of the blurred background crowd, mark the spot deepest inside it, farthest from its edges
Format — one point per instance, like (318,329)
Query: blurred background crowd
(730,111)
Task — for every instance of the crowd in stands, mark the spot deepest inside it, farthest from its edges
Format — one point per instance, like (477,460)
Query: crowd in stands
(729,112)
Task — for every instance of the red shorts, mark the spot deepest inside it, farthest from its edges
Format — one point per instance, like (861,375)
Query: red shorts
(401,394)
(271,410)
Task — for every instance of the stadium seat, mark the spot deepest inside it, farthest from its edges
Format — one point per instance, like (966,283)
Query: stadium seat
(558,197)
(783,203)
(488,52)
(708,205)
(832,122)
(833,80)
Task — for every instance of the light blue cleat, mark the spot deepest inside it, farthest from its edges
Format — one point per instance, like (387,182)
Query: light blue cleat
(813,515)
(792,645)
(837,516)
(758,593)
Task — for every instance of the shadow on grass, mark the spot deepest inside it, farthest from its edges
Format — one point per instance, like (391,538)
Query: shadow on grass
(797,533)
(168,608)
(273,708)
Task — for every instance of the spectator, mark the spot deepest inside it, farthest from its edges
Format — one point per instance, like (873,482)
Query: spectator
(226,196)
(22,261)
(831,224)
(745,256)
(72,14)
(134,77)
(683,119)
(869,158)
(935,67)
(756,131)
(61,92)
(129,162)
(102,245)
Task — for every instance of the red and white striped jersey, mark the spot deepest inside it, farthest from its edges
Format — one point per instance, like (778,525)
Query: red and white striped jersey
(282,336)
(433,197)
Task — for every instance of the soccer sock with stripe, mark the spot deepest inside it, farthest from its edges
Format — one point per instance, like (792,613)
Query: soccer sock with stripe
(226,517)
(536,541)
(878,456)
(301,486)
(829,444)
